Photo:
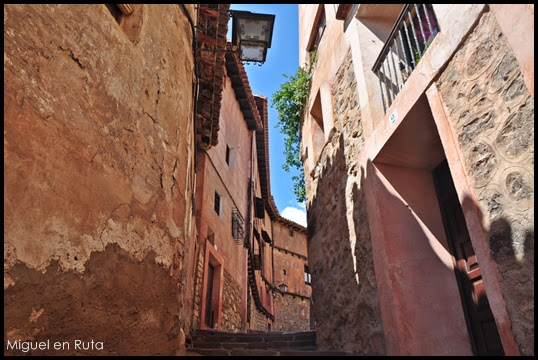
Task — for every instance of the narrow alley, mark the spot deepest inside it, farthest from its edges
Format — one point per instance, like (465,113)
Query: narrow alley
(146,184)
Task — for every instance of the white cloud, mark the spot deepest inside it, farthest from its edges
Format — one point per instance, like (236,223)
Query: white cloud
(294,214)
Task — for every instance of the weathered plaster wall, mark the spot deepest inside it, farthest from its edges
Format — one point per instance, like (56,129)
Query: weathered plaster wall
(292,313)
(492,113)
(98,176)
(230,181)
(340,251)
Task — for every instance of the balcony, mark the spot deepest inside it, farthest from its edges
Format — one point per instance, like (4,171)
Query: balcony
(238,232)
(410,37)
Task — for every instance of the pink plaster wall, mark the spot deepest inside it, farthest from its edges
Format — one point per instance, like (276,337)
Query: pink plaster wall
(214,174)
(294,277)
(293,265)
(230,183)
(426,306)
(282,238)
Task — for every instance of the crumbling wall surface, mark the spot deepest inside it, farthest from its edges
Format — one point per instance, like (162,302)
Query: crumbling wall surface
(493,116)
(135,313)
(346,307)
(97,175)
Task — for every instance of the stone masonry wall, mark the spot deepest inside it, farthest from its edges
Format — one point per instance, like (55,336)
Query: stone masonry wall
(231,305)
(98,154)
(493,114)
(198,279)
(345,306)
(258,321)
(292,313)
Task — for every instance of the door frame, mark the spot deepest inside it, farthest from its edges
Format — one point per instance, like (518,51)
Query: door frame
(479,236)
(215,259)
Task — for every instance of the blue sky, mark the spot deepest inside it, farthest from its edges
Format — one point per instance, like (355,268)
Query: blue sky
(282,58)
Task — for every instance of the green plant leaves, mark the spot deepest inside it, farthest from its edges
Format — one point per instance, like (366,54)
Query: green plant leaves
(290,102)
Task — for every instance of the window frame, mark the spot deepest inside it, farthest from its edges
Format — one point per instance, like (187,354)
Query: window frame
(217,201)
(318,28)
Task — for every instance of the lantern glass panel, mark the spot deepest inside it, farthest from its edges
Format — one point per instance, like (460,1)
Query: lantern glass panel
(253,52)
(257,29)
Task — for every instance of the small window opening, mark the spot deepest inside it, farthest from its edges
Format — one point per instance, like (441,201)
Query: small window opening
(307,276)
(217,203)
(318,131)
(115,11)
(318,29)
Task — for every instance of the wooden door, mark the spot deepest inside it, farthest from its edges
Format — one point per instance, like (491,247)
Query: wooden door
(209,313)
(480,321)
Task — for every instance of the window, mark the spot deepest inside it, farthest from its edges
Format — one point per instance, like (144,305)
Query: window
(291,232)
(257,262)
(210,236)
(266,236)
(259,208)
(321,28)
(238,232)
(307,276)
(317,128)
(283,271)
(318,28)
(129,17)
(115,11)
(217,203)
(418,29)
(414,30)
(343,11)
(230,156)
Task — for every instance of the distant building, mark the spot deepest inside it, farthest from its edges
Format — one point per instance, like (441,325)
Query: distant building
(137,206)
(418,141)
(239,225)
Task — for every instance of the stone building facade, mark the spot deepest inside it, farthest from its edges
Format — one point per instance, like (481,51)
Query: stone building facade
(113,116)
(424,156)
(292,277)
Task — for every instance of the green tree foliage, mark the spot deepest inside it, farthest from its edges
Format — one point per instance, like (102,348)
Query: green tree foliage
(290,102)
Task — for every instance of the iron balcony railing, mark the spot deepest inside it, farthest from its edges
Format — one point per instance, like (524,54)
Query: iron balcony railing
(238,232)
(409,38)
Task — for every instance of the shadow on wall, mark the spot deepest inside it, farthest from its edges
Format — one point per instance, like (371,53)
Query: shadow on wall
(345,293)
(345,300)
(511,247)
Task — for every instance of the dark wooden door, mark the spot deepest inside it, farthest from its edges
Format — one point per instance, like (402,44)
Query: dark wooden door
(208,319)
(480,322)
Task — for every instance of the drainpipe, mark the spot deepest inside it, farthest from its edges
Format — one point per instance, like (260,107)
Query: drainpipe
(246,242)
(272,258)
